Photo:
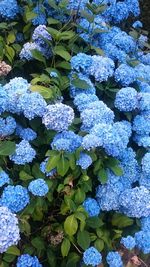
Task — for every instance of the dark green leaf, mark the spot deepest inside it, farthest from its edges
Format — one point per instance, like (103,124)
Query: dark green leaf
(83,239)
(7,148)
(121,220)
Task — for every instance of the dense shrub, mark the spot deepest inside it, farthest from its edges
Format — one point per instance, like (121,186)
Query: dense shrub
(74,134)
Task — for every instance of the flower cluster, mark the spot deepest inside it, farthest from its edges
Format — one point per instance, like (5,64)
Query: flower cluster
(38,187)
(58,117)
(26,260)
(16,198)
(24,153)
(91,256)
(10,237)
(40,38)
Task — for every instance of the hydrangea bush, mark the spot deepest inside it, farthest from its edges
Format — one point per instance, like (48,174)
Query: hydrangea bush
(74,134)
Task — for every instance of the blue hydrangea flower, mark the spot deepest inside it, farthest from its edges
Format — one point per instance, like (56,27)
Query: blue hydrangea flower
(17,85)
(38,187)
(144,87)
(125,74)
(58,117)
(137,24)
(82,100)
(107,37)
(101,68)
(114,259)
(128,242)
(115,53)
(114,138)
(96,112)
(26,51)
(92,256)
(142,239)
(84,161)
(26,133)
(9,10)
(143,72)
(124,41)
(129,165)
(108,196)
(141,125)
(40,18)
(32,105)
(24,153)
(76,5)
(91,206)
(16,198)
(142,140)
(144,180)
(91,141)
(26,260)
(41,34)
(15,88)
(53,74)
(3,100)
(133,7)
(145,223)
(135,202)
(126,99)
(144,101)
(7,126)
(146,164)
(43,169)
(4,178)
(67,141)
(9,229)
(117,12)
(81,62)
(144,58)
(142,40)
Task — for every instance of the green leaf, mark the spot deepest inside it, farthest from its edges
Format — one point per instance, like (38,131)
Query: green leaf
(121,220)
(62,166)
(65,247)
(83,239)
(51,258)
(52,162)
(44,91)
(25,176)
(102,176)
(61,51)
(99,244)
(38,243)
(7,148)
(63,65)
(73,260)
(10,53)
(71,225)
(13,250)
(80,83)
(11,38)
(94,222)
(53,21)
(37,55)
(9,258)
(117,170)
(79,196)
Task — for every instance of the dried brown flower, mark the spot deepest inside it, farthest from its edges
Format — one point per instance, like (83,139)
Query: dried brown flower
(4,68)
